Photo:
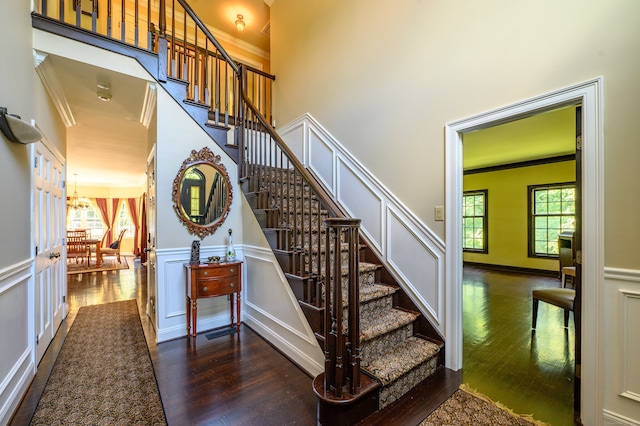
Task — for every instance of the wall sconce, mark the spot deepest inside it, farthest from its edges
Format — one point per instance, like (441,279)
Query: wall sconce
(240,23)
(17,130)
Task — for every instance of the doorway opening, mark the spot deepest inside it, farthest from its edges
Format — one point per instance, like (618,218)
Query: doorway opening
(519,186)
(589,95)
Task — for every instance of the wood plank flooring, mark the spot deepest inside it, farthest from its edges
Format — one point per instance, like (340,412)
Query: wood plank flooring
(242,380)
(531,373)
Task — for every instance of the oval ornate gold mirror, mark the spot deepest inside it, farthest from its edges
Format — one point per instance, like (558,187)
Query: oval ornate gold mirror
(202,193)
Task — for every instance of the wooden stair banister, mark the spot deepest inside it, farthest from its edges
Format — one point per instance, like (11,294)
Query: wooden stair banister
(264,153)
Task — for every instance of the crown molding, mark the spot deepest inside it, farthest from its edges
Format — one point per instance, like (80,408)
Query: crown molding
(49,78)
(148,105)
(240,44)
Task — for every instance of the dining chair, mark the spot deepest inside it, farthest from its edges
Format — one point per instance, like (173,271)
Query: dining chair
(561,297)
(92,248)
(114,248)
(77,247)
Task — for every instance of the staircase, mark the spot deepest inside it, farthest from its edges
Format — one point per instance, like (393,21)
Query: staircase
(377,344)
(398,347)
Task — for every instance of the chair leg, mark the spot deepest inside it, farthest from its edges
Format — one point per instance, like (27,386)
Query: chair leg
(534,318)
(566,318)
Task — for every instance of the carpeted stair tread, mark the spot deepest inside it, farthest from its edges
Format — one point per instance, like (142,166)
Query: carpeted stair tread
(401,359)
(387,321)
(375,291)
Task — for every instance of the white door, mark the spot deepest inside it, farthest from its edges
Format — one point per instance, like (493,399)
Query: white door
(49,212)
(151,240)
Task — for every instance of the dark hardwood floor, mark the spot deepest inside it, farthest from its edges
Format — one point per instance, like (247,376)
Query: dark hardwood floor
(529,372)
(240,379)
(237,379)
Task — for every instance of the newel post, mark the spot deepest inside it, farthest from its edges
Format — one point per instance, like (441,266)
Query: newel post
(342,335)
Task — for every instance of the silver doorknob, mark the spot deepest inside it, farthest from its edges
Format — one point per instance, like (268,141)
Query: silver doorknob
(54,255)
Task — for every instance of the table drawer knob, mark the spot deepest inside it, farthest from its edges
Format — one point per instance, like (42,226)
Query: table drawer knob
(232,284)
(232,270)
(205,289)
(205,273)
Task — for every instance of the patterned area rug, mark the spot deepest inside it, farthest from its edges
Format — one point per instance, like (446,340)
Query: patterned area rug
(109,264)
(466,407)
(103,374)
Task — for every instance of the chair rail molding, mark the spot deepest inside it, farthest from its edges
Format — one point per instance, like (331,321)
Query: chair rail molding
(389,227)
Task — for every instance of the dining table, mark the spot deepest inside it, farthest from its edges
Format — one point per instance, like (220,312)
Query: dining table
(97,243)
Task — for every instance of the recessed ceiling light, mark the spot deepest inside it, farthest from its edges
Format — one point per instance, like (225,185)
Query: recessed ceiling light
(104,96)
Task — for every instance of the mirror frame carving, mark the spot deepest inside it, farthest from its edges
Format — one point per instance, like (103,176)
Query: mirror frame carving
(207,157)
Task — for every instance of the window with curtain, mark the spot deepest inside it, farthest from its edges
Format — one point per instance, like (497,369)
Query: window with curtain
(474,221)
(123,221)
(87,218)
(552,211)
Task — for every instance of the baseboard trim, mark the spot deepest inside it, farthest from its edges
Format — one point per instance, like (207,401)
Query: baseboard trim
(517,269)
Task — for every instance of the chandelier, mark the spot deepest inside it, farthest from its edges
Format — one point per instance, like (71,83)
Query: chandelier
(75,202)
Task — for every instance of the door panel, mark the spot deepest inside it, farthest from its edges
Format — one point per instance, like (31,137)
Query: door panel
(48,229)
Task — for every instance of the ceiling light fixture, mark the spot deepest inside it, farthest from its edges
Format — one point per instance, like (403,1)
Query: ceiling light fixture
(75,202)
(17,130)
(240,23)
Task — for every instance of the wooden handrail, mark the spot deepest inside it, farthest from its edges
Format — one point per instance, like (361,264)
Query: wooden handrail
(335,210)
(210,36)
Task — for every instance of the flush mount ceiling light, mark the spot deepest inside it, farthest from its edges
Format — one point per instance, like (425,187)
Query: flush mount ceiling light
(17,130)
(104,91)
(240,23)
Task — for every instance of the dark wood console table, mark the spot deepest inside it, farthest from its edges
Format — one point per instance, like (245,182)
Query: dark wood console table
(212,280)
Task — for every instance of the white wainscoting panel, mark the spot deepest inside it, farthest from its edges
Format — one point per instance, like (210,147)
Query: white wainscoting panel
(321,159)
(294,137)
(621,304)
(416,262)
(365,204)
(172,305)
(272,310)
(629,319)
(17,339)
(412,252)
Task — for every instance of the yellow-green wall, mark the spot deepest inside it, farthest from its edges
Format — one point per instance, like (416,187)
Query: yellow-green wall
(508,212)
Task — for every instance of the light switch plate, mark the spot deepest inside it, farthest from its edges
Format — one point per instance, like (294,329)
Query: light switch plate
(439,213)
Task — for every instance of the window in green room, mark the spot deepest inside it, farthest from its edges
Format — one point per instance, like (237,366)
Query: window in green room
(552,211)
(474,221)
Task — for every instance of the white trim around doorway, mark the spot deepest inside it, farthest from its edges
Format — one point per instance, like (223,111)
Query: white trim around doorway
(589,95)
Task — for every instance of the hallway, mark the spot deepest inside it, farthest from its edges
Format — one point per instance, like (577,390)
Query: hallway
(529,372)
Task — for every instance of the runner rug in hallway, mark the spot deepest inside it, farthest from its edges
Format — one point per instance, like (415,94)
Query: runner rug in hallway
(103,374)
(467,407)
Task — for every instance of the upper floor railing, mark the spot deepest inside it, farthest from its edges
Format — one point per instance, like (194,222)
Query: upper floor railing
(192,55)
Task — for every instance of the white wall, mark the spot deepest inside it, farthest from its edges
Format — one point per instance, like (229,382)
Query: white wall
(385,80)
